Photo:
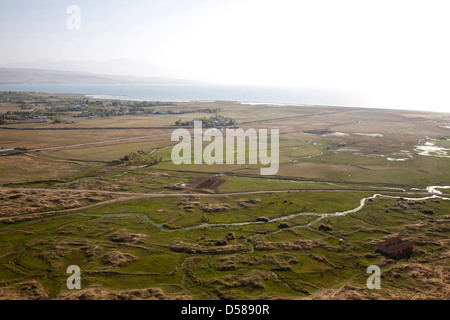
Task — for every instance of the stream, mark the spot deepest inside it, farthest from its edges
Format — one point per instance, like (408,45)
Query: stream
(433,190)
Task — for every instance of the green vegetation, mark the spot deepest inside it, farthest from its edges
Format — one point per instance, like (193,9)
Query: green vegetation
(138,158)
(149,228)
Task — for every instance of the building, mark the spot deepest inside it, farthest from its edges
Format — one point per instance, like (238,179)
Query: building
(395,247)
(5,151)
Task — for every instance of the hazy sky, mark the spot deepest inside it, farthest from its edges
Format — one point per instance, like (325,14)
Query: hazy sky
(395,51)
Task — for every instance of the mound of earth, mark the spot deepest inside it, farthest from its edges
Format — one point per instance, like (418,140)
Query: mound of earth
(17,204)
(118,259)
(247,203)
(181,246)
(346,292)
(429,282)
(277,262)
(123,236)
(139,294)
(91,251)
(232,262)
(254,279)
(215,207)
(32,290)
(288,245)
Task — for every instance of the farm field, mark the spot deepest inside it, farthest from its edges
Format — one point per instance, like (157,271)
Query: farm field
(78,190)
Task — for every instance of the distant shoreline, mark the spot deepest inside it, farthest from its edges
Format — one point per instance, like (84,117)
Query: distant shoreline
(204,93)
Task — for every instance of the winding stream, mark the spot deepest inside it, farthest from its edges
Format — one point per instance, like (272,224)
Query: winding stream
(436,194)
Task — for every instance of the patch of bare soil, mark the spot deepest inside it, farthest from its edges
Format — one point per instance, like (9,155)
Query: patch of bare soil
(211,183)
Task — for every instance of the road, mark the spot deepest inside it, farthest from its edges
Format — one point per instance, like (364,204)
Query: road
(181,194)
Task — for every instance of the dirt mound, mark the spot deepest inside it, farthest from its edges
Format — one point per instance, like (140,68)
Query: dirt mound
(32,290)
(123,236)
(347,292)
(230,236)
(284,225)
(248,203)
(277,262)
(288,245)
(324,227)
(215,207)
(428,282)
(91,251)
(232,262)
(15,206)
(139,294)
(181,246)
(188,204)
(253,279)
(118,259)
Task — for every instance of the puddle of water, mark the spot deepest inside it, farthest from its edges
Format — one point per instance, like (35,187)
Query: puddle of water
(369,155)
(432,189)
(120,174)
(403,155)
(430,150)
(349,149)
(336,134)
(378,135)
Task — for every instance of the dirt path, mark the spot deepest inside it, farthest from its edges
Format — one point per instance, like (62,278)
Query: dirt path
(162,195)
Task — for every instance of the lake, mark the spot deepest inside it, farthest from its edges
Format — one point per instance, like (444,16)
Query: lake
(201,92)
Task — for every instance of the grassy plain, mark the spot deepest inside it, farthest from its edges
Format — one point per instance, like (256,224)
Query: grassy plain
(149,232)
